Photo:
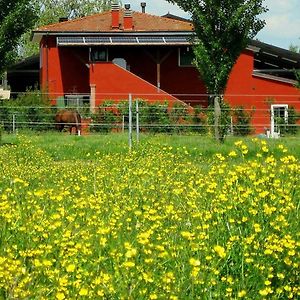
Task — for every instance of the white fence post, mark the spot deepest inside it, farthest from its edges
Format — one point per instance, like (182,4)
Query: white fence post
(130,122)
(14,123)
(137,122)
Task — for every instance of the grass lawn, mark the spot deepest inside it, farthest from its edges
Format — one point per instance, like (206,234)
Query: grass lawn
(63,146)
(178,217)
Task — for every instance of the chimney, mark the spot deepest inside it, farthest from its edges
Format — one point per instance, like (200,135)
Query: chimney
(115,14)
(143,5)
(128,21)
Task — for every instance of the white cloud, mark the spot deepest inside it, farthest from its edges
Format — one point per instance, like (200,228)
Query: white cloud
(282,26)
(282,23)
(281,6)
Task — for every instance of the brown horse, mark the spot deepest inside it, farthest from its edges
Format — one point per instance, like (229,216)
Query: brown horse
(68,118)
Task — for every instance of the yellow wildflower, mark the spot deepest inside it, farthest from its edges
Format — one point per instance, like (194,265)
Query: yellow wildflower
(83,292)
(60,296)
(70,268)
(220,251)
(194,262)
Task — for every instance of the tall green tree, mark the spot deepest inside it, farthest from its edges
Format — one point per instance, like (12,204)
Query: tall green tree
(52,10)
(16,17)
(49,11)
(223,28)
(294,48)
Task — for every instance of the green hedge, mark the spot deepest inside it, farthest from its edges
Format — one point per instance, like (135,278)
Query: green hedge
(154,117)
(30,110)
(290,127)
(241,121)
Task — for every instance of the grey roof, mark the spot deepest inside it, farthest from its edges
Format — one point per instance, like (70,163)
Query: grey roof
(276,61)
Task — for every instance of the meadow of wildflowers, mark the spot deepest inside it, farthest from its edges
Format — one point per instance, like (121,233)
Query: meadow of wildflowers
(151,224)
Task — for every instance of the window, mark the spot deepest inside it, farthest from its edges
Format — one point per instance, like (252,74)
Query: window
(98,54)
(186,56)
(121,62)
(76,101)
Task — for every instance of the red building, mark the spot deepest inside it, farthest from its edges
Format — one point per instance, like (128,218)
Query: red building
(120,52)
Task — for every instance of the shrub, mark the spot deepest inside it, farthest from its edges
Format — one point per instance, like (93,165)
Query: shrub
(241,121)
(84,110)
(288,126)
(5,116)
(32,110)
(291,126)
(106,117)
(180,118)
(199,120)
(1,131)
(154,117)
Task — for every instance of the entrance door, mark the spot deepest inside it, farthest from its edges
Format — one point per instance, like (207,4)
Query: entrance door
(279,119)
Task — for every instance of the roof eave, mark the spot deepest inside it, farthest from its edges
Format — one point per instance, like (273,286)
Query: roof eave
(36,37)
(274,78)
(252,48)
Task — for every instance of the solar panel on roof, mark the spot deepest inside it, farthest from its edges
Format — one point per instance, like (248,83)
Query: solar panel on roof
(124,39)
(176,39)
(97,40)
(151,39)
(70,40)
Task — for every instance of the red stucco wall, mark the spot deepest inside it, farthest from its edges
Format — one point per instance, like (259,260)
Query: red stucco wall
(257,94)
(64,69)
(114,82)
(181,82)
(184,82)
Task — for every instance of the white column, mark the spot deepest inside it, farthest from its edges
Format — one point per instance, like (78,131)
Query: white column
(93,98)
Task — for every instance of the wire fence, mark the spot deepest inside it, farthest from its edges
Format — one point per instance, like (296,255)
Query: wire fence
(272,115)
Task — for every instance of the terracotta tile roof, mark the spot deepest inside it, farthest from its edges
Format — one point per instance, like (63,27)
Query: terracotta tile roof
(142,22)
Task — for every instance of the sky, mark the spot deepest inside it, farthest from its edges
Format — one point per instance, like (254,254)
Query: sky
(282,20)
